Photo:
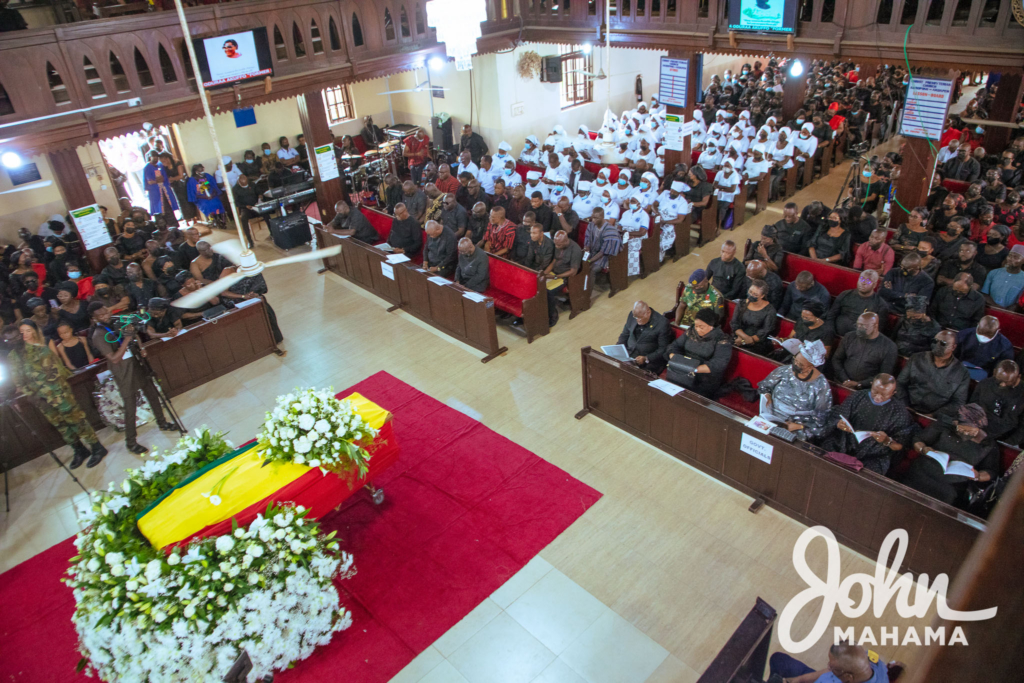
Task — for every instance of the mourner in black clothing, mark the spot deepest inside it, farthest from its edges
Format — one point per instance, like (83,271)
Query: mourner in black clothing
(916,330)
(646,336)
(727,273)
(849,305)
(876,410)
(959,305)
(864,353)
(353,223)
(709,349)
(441,251)
(1002,397)
(793,233)
(907,279)
(406,234)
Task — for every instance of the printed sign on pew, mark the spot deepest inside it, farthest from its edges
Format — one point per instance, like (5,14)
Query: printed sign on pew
(757,448)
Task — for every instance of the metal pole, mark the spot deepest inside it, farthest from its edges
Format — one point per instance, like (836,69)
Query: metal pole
(607,48)
(430,92)
(209,122)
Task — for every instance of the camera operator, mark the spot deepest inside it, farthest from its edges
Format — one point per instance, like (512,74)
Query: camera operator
(40,374)
(113,344)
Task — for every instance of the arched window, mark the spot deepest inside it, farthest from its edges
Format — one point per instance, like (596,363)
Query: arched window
(828,11)
(909,12)
(332,29)
(120,79)
(6,106)
(404,18)
(420,27)
(93,80)
(57,87)
(806,12)
(297,42)
(185,61)
(279,46)
(989,13)
(357,31)
(962,13)
(389,26)
(142,69)
(884,15)
(166,66)
(935,12)
(314,38)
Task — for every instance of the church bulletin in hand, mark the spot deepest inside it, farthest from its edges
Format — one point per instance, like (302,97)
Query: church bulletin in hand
(955,467)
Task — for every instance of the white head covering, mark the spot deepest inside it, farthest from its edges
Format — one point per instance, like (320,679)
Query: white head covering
(533,175)
(770,119)
(549,140)
(583,186)
(814,352)
(698,115)
(533,139)
(736,145)
(727,162)
(504,145)
(677,185)
(624,174)
(745,115)
(720,112)
(787,131)
(584,130)
(661,151)
(225,160)
(559,130)
(809,127)
(651,178)
(604,172)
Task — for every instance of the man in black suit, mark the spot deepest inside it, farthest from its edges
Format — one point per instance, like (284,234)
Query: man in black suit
(646,336)
(578,173)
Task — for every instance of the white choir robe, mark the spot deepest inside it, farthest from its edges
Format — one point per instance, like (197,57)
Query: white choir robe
(632,221)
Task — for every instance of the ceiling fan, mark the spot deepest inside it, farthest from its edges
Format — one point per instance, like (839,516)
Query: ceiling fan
(248,266)
(599,76)
(419,88)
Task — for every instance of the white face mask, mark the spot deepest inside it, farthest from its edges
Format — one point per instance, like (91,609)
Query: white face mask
(983,339)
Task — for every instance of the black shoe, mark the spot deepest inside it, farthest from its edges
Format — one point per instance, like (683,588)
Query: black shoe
(168,427)
(81,453)
(98,453)
(136,448)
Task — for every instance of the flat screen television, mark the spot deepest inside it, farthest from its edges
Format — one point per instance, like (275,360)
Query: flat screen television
(763,16)
(233,57)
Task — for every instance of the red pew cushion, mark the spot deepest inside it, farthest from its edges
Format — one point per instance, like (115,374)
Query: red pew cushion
(836,279)
(957,186)
(380,221)
(581,233)
(510,285)
(357,140)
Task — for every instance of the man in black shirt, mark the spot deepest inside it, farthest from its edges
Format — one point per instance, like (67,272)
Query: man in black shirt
(415,201)
(454,216)
(246,198)
(727,273)
(473,271)
(164,321)
(793,233)
(188,250)
(542,213)
(406,235)
(864,353)
(861,224)
(352,223)
(540,250)
(139,289)
(963,263)
(440,253)
(646,336)
(757,270)
(959,305)
(473,142)
(849,305)
(803,289)
(915,331)
(114,271)
(907,279)
(1002,397)
(564,218)
(767,250)
(934,382)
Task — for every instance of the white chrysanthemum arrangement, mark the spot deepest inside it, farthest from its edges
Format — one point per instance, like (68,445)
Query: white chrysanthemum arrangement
(144,614)
(312,427)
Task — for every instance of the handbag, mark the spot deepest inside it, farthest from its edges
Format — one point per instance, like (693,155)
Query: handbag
(682,369)
(844,460)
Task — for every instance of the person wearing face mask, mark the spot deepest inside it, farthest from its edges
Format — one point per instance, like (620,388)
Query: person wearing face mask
(636,223)
(114,271)
(831,242)
(982,347)
(974,201)
(531,151)
(726,186)
(880,412)
(1002,397)
(249,166)
(559,190)
(56,269)
(798,393)
(947,211)
(994,190)
(934,382)
(701,355)
(962,167)
(864,353)
(958,305)
(963,263)
(995,251)
(964,440)
(754,319)
(952,238)
(139,289)
(758,270)
(1009,172)
(1004,285)
(165,269)
(810,326)
(509,175)
(981,225)
(700,192)
(1010,213)
(131,244)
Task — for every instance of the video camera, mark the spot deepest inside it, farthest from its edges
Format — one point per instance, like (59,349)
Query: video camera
(123,320)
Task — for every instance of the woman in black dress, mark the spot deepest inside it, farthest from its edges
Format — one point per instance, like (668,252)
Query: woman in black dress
(71,348)
(709,347)
(754,319)
(72,310)
(832,241)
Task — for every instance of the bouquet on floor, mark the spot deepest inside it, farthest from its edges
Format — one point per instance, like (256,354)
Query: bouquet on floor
(311,427)
(185,612)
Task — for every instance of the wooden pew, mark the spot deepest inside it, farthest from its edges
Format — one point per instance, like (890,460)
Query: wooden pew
(745,655)
(208,350)
(708,222)
(860,508)
(807,169)
(581,290)
(739,206)
(839,148)
(650,251)
(683,238)
(790,182)
(763,188)
(519,291)
(825,156)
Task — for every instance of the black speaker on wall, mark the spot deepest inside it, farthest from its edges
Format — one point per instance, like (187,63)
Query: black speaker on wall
(551,69)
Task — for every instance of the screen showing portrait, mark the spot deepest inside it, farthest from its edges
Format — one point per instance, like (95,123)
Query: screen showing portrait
(771,16)
(234,57)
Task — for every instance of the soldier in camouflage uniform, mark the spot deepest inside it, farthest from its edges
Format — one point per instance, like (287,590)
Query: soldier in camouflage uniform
(39,373)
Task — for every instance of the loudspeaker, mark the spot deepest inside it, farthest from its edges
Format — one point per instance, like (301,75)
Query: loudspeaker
(551,69)
(291,230)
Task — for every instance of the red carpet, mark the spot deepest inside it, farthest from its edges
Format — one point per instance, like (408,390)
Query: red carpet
(465,509)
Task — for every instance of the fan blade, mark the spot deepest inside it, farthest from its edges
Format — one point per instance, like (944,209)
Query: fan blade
(394,92)
(201,296)
(308,256)
(230,249)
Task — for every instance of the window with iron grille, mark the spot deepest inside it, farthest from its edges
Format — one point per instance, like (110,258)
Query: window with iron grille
(339,104)
(577,87)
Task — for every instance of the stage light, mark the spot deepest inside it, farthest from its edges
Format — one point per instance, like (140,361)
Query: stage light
(436,63)
(797,69)
(587,47)
(10,159)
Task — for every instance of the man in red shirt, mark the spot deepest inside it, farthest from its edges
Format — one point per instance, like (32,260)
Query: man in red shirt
(446,182)
(417,153)
(875,254)
(501,233)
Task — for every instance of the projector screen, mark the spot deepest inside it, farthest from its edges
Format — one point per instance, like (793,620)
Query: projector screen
(764,16)
(233,57)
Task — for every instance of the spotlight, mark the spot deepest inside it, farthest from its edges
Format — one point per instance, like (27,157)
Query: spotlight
(10,159)
(797,69)
(436,63)
(587,47)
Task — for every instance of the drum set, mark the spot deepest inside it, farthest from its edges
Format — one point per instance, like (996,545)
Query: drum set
(375,164)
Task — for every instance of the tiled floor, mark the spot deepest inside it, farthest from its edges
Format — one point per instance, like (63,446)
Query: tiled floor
(648,584)
(543,627)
